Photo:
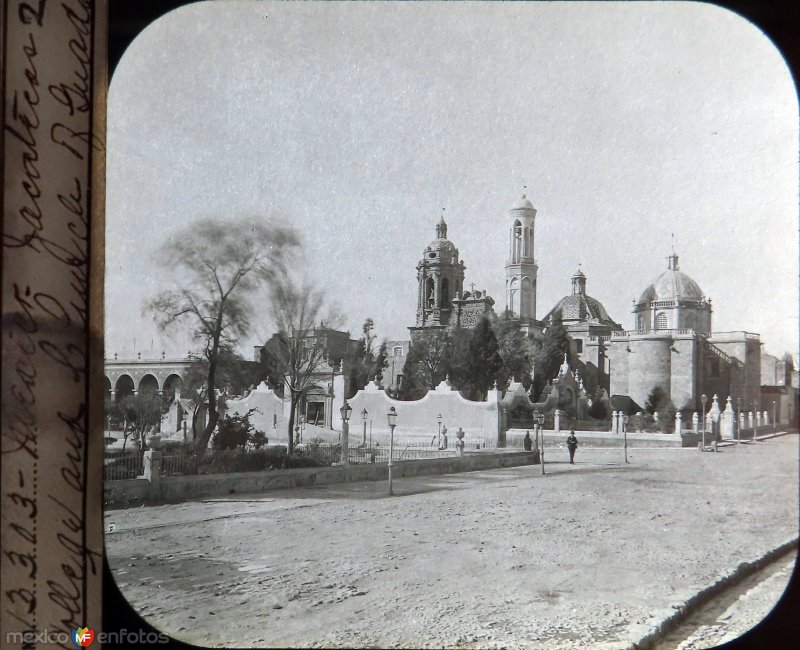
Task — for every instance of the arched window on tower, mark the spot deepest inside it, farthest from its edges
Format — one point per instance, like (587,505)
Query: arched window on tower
(661,321)
(513,290)
(445,301)
(517,241)
(430,296)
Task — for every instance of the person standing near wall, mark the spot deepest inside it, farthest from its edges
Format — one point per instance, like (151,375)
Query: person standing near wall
(572,445)
(527,443)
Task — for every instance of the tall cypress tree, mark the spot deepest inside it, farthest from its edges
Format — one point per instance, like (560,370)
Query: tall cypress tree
(485,361)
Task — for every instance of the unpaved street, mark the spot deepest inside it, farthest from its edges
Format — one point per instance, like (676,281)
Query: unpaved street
(584,557)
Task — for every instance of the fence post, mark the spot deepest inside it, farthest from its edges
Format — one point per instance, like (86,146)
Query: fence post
(151,466)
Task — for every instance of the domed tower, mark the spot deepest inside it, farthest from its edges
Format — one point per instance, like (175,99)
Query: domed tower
(521,267)
(673,301)
(440,277)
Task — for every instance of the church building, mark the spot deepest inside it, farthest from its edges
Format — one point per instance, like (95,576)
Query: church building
(673,346)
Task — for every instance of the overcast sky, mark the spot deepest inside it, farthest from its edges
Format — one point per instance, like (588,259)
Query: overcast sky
(360,122)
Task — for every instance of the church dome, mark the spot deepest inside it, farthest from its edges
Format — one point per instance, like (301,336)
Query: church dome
(523,204)
(440,245)
(581,307)
(672,284)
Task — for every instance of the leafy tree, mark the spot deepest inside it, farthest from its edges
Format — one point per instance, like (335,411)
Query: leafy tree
(548,356)
(233,376)
(485,361)
(516,350)
(655,400)
(666,416)
(426,364)
(139,414)
(364,362)
(233,431)
(219,266)
(297,355)
(259,439)
(599,408)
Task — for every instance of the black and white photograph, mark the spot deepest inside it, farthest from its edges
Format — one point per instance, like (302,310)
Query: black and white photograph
(451,325)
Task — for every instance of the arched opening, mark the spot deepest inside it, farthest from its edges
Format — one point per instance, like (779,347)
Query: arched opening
(171,384)
(516,241)
(661,321)
(148,385)
(123,387)
(430,295)
(108,389)
(513,290)
(445,301)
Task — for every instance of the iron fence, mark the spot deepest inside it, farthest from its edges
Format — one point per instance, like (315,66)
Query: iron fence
(118,467)
(185,461)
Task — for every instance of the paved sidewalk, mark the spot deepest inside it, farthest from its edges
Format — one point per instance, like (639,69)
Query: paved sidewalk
(584,557)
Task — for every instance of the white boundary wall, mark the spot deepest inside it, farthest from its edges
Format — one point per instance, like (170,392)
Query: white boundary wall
(418,418)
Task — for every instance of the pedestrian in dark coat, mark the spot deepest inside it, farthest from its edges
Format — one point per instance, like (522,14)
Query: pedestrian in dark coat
(527,443)
(572,445)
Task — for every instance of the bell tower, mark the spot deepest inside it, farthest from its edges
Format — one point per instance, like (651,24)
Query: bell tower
(521,266)
(440,279)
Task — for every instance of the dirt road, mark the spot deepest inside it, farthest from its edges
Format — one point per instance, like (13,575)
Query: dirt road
(587,556)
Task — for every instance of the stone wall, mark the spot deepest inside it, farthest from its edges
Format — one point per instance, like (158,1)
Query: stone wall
(180,488)
(684,368)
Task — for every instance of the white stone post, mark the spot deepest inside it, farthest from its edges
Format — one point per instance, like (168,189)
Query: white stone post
(557,420)
(614,422)
(678,423)
(765,418)
(696,422)
(727,427)
(741,421)
(758,418)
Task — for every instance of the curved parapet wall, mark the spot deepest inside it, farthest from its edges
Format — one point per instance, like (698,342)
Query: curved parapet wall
(418,418)
(268,415)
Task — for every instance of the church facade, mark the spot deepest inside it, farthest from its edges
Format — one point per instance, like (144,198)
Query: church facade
(671,344)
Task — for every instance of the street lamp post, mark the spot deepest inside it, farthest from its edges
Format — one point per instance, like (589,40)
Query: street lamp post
(364,415)
(439,439)
(704,399)
(625,435)
(774,417)
(345,411)
(540,422)
(755,419)
(391,416)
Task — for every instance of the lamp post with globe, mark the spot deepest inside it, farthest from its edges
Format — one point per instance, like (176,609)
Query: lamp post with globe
(364,415)
(540,422)
(345,411)
(391,416)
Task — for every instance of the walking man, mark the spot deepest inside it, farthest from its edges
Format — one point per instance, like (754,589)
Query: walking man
(572,445)
(527,443)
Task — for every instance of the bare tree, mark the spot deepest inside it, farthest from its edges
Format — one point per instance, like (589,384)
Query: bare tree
(296,352)
(219,266)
